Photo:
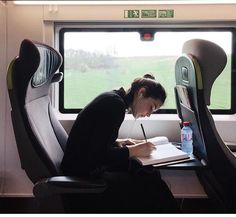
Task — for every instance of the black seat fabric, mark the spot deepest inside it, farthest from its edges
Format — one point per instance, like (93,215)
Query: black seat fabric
(196,70)
(39,135)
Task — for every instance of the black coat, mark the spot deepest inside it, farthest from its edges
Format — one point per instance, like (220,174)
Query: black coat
(92,150)
(91,146)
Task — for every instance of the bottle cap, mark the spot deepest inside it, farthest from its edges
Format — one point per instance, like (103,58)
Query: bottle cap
(186,123)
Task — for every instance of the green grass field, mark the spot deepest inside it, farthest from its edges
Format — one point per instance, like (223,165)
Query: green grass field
(82,86)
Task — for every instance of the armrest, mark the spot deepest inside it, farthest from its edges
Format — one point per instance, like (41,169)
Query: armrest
(68,185)
(231,146)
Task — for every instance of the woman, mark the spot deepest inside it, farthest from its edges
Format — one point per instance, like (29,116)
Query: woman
(93,149)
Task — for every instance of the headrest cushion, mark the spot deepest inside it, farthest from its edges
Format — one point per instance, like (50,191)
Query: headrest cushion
(40,61)
(211,58)
(50,60)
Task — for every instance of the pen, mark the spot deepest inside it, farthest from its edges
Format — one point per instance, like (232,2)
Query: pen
(143,132)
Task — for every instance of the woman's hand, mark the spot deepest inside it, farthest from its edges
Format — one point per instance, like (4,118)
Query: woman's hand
(143,149)
(128,142)
(137,141)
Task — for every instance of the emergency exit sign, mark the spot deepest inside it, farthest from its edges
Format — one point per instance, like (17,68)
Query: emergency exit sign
(131,13)
(149,13)
(169,13)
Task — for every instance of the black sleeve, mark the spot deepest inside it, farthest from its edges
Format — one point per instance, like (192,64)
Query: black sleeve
(103,134)
(90,145)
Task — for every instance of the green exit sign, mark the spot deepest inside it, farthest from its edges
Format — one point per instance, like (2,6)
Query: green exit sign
(131,13)
(169,13)
(149,13)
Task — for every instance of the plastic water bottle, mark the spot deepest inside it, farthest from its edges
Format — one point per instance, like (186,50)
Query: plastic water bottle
(187,138)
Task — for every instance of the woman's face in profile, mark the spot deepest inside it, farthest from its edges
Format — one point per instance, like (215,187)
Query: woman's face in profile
(144,106)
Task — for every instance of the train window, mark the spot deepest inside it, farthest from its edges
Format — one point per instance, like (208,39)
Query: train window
(98,60)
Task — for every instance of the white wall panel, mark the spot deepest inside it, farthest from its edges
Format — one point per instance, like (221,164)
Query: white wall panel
(3,91)
(193,12)
(22,22)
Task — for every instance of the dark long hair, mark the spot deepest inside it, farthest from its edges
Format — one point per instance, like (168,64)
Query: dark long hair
(153,88)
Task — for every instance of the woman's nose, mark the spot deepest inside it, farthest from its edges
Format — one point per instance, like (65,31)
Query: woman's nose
(148,114)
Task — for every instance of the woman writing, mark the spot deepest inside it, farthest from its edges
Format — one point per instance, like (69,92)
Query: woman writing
(93,149)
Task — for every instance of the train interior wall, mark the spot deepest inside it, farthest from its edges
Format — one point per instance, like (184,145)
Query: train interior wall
(37,23)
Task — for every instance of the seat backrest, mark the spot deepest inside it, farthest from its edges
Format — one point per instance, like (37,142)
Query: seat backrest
(196,70)
(187,96)
(39,135)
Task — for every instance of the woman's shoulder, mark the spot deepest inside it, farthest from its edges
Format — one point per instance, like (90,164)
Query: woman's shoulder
(112,98)
(106,101)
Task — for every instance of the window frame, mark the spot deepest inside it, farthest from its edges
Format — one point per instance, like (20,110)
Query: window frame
(153,30)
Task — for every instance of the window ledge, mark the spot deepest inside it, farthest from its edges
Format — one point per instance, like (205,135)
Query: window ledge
(167,117)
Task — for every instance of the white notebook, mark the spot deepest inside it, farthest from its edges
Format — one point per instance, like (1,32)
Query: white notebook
(164,152)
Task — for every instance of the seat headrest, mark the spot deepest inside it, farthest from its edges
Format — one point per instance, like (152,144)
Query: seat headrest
(211,58)
(41,60)
(38,64)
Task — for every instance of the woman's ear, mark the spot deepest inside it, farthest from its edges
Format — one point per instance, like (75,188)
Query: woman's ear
(141,92)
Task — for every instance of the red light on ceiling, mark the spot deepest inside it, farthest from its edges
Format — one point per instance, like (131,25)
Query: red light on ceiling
(147,36)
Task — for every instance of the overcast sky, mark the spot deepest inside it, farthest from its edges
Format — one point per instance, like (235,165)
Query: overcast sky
(129,44)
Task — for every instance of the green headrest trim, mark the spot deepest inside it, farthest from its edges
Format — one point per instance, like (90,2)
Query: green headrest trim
(9,74)
(198,74)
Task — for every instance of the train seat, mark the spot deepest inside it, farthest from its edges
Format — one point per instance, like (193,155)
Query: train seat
(40,138)
(196,70)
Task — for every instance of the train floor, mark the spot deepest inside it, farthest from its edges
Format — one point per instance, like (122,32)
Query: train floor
(29,205)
